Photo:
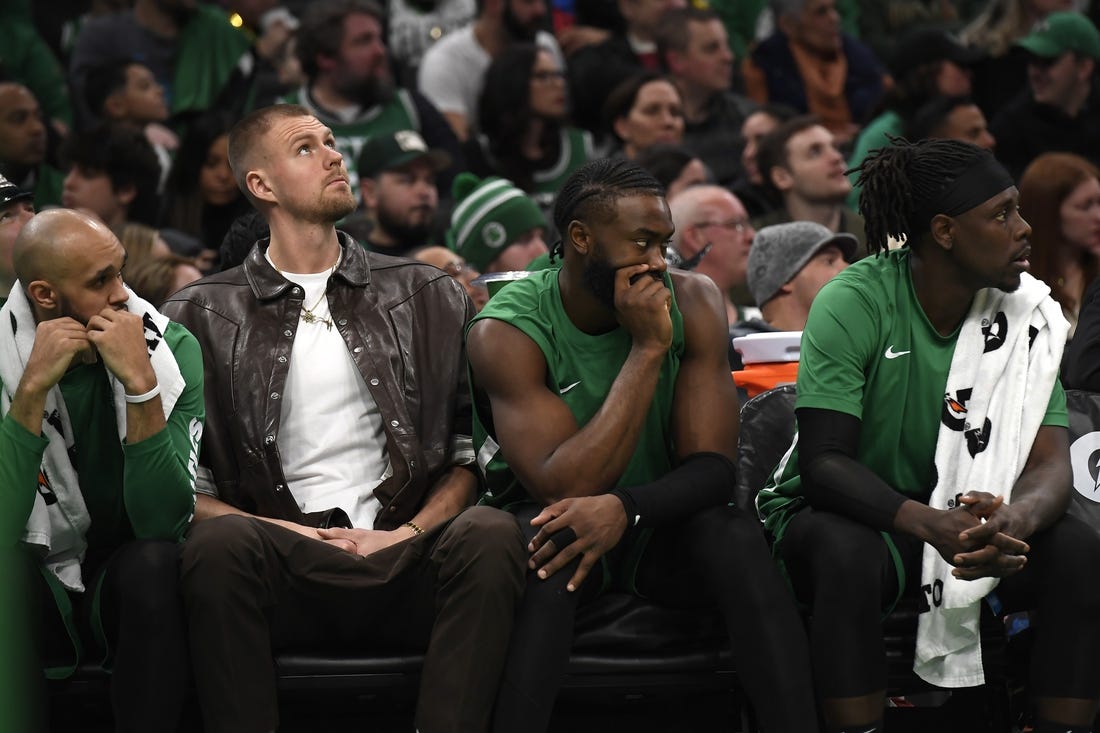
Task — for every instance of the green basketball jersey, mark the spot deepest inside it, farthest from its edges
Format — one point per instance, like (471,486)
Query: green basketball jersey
(397,114)
(576,150)
(580,367)
(869,350)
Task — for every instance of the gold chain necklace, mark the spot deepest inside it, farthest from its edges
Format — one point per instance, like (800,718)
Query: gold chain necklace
(308,315)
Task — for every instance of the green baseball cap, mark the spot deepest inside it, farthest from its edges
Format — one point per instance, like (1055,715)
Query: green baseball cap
(393,150)
(1062,32)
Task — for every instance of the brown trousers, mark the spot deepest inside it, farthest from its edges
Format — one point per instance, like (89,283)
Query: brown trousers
(252,588)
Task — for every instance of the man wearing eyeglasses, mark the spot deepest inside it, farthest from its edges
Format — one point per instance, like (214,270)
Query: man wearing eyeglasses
(800,160)
(712,228)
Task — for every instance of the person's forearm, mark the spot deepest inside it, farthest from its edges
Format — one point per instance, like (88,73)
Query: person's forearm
(836,483)
(20,458)
(454,491)
(157,486)
(832,478)
(1041,496)
(28,404)
(592,460)
(208,507)
(144,420)
(702,481)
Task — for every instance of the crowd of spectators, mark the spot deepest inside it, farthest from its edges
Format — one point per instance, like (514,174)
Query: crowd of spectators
(528,90)
(459,123)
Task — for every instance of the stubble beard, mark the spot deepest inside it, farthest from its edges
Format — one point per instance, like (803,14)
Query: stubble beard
(407,232)
(374,89)
(332,208)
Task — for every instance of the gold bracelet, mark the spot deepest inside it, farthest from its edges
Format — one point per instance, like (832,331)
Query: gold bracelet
(414,527)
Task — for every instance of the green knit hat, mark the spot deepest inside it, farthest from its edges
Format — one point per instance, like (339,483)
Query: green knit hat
(489,215)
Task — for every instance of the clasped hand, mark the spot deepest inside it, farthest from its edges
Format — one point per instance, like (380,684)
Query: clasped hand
(361,542)
(118,336)
(587,526)
(984,549)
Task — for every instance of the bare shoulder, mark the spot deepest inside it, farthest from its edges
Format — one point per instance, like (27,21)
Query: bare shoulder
(501,354)
(695,291)
(698,298)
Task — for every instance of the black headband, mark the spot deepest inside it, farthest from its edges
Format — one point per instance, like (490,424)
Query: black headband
(983,180)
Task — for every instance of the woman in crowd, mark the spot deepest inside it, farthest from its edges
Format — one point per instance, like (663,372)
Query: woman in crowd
(201,195)
(757,197)
(645,110)
(674,167)
(156,279)
(142,243)
(522,117)
(1060,198)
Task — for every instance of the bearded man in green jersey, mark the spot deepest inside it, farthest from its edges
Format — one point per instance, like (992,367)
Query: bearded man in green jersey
(102,416)
(605,414)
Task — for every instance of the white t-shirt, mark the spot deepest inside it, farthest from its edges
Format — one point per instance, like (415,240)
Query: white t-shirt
(331,440)
(452,72)
(413,31)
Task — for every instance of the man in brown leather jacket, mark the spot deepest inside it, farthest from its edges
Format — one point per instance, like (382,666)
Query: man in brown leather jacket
(337,395)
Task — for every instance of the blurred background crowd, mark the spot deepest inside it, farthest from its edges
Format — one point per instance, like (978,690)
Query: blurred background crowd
(748,111)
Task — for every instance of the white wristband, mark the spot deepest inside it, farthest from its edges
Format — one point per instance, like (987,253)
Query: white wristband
(137,399)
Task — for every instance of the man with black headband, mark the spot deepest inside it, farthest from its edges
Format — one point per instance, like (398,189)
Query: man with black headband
(932,444)
(606,420)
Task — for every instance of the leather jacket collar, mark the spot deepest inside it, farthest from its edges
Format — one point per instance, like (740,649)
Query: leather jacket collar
(267,283)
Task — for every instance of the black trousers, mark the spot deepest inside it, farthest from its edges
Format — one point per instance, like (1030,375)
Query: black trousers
(718,557)
(141,614)
(843,571)
(252,588)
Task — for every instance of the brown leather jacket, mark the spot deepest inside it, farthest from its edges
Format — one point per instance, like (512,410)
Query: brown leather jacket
(403,324)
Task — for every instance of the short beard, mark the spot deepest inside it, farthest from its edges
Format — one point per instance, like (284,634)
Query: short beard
(599,278)
(65,310)
(517,30)
(367,92)
(332,210)
(404,234)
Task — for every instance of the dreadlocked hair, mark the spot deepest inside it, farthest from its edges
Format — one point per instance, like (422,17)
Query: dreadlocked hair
(592,189)
(900,179)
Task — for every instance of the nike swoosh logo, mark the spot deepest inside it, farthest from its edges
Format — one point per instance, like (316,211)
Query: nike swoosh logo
(563,390)
(891,354)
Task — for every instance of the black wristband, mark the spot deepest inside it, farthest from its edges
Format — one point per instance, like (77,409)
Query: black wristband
(703,480)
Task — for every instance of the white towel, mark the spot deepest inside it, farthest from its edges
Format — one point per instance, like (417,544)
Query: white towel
(1005,363)
(58,527)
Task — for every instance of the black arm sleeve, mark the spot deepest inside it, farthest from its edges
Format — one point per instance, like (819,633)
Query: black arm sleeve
(1082,367)
(703,480)
(832,478)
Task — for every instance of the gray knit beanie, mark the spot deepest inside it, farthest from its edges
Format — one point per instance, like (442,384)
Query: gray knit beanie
(779,252)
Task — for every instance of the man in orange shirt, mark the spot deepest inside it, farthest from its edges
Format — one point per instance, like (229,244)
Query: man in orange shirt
(810,65)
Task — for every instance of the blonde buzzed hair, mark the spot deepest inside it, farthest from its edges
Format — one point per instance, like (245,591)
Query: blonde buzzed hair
(245,134)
